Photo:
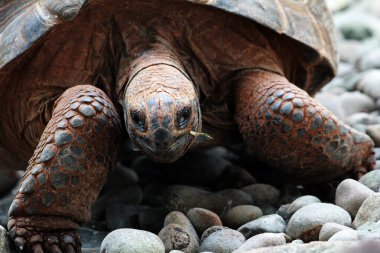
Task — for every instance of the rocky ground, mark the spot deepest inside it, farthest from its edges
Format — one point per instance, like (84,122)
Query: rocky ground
(222,201)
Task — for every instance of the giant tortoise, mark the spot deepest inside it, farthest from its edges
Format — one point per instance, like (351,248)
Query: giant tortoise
(173,71)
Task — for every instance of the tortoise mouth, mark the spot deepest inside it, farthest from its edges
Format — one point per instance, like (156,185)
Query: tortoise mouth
(168,154)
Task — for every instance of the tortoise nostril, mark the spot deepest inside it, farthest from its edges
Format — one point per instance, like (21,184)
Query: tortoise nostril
(161,138)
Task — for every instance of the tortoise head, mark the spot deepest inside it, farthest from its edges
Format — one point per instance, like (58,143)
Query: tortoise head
(161,109)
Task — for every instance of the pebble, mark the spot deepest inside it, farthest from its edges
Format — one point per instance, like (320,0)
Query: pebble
(368,211)
(297,241)
(129,240)
(211,230)
(369,231)
(5,244)
(183,198)
(370,60)
(350,194)
(180,219)
(286,211)
(324,247)
(176,237)
(8,180)
(306,223)
(119,215)
(359,118)
(152,219)
(262,240)
(345,235)
(272,223)
(354,102)
(202,219)
(91,238)
(371,180)
(223,241)
(374,132)
(239,215)
(329,229)
(262,193)
(332,102)
(369,83)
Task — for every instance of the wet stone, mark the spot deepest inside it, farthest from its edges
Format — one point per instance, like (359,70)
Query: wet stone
(202,219)
(28,184)
(59,180)
(223,241)
(48,153)
(180,219)
(239,215)
(63,137)
(77,121)
(87,110)
(176,237)
(36,169)
(272,223)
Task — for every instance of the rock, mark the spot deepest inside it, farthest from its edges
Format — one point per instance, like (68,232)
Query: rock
(120,176)
(5,243)
(359,118)
(345,235)
(357,25)
(323,247)
(369,211)
(262,193)
(332,102)
(131,194)
(262,240)
(176,251)
(180,219)
(91,238)
(374,132)
(129,240)
(297,241)
(329,229)
(120,215)
(211,230)
(349,51)
(176,237)
(369,231)
(350,194)
(183,198)
(8,180)
(152,219)
(202,219)
(369,83)
(371,180)
(370,60)
(286,211)
(239,215)
(223,241)
(306,223)
(354,102)
(272,223)
(337,5)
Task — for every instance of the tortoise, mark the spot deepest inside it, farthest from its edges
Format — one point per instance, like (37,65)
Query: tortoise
(73,71)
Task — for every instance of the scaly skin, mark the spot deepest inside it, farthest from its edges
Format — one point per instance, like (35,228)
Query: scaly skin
(285,127)
(66,172)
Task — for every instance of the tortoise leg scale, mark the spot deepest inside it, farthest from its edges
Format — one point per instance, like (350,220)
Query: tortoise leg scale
(68,168)
(284,126)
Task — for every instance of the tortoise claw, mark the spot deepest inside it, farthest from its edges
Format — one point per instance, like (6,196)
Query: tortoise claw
(29,240)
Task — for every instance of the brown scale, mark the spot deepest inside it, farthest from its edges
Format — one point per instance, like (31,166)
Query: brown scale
(67,170)
(285,127)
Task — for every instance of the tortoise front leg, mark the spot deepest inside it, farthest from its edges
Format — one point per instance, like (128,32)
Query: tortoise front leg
(284,126)
(65,174)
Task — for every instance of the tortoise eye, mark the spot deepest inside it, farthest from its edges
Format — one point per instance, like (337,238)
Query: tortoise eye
(183,117)
(139,120)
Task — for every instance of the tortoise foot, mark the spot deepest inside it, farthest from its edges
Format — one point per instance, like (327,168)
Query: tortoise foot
(30,239)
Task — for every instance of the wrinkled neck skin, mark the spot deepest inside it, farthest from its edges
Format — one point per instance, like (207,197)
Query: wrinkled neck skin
(161,106)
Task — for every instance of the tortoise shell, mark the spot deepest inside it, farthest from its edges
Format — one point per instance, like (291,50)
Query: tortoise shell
(307,22)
